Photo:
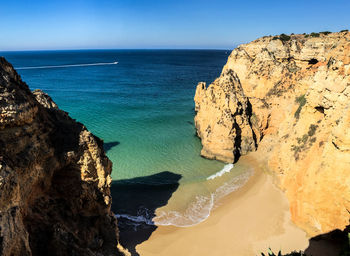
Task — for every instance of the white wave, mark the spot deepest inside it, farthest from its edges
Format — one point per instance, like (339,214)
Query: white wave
(199,210)
(227,168)
(234,184)
(138,219)
(196,212)
(70,65)
(143,216)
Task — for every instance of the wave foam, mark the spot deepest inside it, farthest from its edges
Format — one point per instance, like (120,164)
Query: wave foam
(234,184)
(138,219)
(227,168)
(196,212)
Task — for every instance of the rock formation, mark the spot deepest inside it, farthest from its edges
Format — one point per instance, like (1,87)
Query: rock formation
(293,96)
(54,178)
(223,118)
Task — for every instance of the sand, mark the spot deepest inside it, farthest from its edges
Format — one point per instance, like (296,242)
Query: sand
(247,222)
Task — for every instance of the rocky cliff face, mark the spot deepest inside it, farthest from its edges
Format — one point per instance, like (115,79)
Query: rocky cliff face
(223,118)
(297,93)
(54,178)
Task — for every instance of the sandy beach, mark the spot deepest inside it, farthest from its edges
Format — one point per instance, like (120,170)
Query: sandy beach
(247,222)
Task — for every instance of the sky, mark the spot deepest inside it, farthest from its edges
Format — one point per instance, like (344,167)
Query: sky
(160,24)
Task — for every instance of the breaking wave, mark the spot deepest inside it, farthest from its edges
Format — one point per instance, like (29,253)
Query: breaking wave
(227,168)
(197,211)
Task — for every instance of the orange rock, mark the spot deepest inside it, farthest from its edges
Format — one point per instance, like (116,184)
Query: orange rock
(299,92)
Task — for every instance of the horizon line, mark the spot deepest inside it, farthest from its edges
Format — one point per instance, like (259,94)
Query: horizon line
(119,49)
(102,49)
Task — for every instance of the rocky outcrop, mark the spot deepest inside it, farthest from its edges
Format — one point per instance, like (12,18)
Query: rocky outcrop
(223,118)
(299,91)
(54,178)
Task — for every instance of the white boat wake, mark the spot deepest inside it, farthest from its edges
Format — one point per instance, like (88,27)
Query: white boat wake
(70,65)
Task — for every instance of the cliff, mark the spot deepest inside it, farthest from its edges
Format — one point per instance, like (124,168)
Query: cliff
(54,178)
(288,97)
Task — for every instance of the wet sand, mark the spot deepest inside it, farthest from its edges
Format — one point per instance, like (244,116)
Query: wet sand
(247,222)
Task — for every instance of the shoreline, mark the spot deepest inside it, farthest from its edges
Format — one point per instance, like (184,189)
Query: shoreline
(258,211)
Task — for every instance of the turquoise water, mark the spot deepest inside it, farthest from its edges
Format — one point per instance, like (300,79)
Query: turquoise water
(143,109)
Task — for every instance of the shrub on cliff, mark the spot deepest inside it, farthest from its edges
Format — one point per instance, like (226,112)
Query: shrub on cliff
(271,253)
(302,101)
(282,37)
(313,34)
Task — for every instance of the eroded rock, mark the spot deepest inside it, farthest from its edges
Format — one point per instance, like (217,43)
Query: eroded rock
(54,178)
(299,91)
(223,119)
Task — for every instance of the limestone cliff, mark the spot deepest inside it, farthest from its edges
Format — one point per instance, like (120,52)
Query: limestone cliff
(297,92)
(54,178)
(223,118)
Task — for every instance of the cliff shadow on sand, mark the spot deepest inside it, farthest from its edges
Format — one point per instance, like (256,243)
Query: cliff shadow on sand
(333,243)
(136,200)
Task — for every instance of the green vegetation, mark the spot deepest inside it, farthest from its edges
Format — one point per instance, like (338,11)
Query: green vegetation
(312,130)
(271,253)
(302,142)
(282,37)
(302,101)
(344,30)
(303,139)
(275,90)
(313,34)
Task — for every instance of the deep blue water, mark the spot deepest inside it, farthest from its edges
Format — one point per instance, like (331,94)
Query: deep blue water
(144,103)
(143,109)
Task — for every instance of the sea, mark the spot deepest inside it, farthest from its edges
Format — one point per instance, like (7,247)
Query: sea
(140,102)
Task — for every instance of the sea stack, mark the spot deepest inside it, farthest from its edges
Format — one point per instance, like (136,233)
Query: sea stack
(288,97)
(54,178)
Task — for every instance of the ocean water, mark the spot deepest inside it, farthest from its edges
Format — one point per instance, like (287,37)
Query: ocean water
(143,109)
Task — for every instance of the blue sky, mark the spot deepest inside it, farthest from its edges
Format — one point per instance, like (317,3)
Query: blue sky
(120,24)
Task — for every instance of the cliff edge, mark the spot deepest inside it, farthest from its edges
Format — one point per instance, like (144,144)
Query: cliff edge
(288,97)
(54,178)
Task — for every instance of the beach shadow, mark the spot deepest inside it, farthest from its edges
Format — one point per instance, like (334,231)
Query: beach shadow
(333,243)
(109,145)
(135,202)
